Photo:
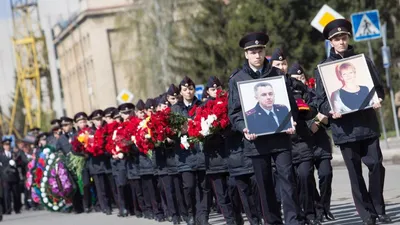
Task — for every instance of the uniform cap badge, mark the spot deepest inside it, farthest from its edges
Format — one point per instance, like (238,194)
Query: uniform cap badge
(256,42)
(280,57)
(339,29)
(299,71)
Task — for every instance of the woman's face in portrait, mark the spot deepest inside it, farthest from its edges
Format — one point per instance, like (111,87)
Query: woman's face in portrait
(348,75)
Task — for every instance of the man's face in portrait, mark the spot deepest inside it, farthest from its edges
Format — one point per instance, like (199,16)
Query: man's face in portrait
(265,96)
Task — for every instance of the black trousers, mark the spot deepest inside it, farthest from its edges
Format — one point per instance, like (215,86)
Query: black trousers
(235,199)
(137,196)
(163,197)
(11,190)
(152,199)
(177,183)
(369,202)
(323,197)
(103,183)
(170,196)
(247,197)
(263,173)
(196,192)
(219,183)
(306,186)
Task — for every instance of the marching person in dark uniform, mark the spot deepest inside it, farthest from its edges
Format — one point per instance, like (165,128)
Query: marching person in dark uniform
(165,180)
(147,170)
(302,144)
(261,149)
(191,163)
(266,116)
(65,146)
(216,157)
(133,172)
(278,60)
(322,156)
(357,133)
(81,120)
(55,132)
(10,178)
(109,114)
(100,168)
(119,166)
(173,95)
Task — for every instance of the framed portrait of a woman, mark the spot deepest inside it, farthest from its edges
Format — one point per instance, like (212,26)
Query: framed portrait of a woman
(348,84)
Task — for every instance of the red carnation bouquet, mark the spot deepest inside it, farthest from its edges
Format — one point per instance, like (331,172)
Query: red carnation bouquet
(98,146)
(156,128)
(83,141)
(208,120)
(109,131)
(311,83)
(124,136)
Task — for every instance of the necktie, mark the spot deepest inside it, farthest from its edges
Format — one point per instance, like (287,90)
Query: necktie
(258,74)
(272,121)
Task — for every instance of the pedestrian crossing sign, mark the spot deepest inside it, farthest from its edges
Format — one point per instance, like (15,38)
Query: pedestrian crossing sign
(125,96)
(366,25)
(325,15)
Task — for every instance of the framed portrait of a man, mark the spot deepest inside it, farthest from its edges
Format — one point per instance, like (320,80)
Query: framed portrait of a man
(265,105)
(348,84)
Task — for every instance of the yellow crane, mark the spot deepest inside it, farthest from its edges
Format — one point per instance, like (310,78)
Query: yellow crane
(32,65)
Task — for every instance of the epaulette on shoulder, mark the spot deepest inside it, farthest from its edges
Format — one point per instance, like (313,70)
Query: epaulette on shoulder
(250,112)
(234,73)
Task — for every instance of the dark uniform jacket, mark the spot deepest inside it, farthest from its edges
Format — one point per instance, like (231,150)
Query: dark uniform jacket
(216,153)
(264,144)
(64,142)
(160,159)
(259,122)
(354,126)
(132,164)
(302,140)
(146,164)
(188,159)
(100,164)
(9,173)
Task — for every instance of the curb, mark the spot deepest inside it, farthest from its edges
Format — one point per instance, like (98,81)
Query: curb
(390,156)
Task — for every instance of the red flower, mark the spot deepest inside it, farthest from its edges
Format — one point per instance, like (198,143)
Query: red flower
(39,175)
(311,83)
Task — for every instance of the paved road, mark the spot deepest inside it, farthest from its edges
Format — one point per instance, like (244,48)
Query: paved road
(342,207)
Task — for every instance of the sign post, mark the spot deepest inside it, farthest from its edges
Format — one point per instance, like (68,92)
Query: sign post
(366,27)
(199,91)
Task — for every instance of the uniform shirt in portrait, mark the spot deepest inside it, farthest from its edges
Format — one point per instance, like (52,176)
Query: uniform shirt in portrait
(273,114)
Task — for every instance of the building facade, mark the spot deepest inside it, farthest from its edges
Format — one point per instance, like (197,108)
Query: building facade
(85,59)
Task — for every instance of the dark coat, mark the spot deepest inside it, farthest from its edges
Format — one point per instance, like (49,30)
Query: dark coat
(119,171)
(132,164)
(238,163)
(188,159)
(264,144)
(146,165)
(160,156)
(356,126)
(9,173)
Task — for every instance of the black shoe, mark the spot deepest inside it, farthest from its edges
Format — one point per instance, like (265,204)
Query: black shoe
(384,219)
(239,220)
(190,220)
(108,212)
(313,222)
(139,214)
(370,221)
(88,210)
(202,221)
(176,220)
(123,213)
(329,216)
(1,217)
(168,218)
(160,219)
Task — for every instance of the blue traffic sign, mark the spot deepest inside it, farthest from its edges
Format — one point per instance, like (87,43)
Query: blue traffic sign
(199,91)
(366,25)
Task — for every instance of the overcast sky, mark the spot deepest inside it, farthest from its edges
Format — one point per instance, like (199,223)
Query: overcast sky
(51,11)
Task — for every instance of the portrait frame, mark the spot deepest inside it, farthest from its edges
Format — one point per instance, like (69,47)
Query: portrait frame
(352,72)
(256,117)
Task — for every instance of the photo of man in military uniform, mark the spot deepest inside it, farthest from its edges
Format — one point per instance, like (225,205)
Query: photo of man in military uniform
(266,117)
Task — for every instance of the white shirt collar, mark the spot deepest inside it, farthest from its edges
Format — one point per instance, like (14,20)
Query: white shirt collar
(268,111)
(255,69)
